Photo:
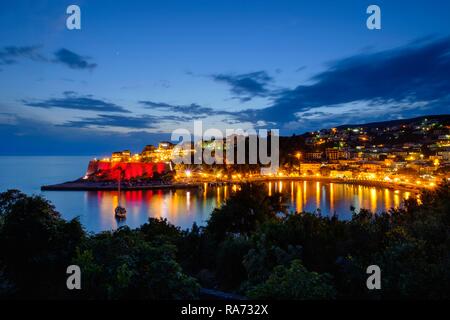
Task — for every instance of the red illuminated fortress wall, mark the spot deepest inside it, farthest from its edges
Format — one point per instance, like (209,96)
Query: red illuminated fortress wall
(106,170)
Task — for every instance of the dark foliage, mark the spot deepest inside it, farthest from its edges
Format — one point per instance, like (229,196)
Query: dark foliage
(247,247)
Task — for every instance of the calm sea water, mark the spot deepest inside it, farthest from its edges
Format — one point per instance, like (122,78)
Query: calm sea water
(180,207)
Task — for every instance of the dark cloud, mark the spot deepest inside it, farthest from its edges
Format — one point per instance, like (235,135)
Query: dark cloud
(416,72)
(412,80)
(408,81)
(11,54)
(191,109)
(173,114)
(72,100)
(73,60)
(32,137)
(189,112)
(119,121)
(246,86)
(105,120)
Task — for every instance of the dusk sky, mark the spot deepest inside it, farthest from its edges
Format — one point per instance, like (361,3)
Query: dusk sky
(139,69)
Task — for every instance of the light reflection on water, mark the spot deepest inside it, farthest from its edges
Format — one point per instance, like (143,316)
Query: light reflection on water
(181,207)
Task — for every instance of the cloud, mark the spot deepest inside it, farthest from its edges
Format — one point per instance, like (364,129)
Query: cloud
(72,100)
(417,72)
(120,121)
(246,86)
(32,137)
(357,112)
(411,80)
(191,111)
(105,120)
(173,116)
(11,54)
(73,60)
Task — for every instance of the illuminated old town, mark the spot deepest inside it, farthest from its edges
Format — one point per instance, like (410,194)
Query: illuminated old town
(410,154)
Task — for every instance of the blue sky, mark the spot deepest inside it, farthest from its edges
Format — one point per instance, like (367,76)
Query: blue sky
(139,69)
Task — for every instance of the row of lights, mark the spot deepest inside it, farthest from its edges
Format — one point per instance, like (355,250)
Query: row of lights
(188,174)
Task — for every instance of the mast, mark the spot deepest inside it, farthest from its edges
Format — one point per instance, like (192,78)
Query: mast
(120,182)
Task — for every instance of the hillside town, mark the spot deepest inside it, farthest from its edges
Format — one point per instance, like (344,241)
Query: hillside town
(413,152)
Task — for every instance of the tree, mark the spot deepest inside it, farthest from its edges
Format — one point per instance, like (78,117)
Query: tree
(294,283)
(123,265)
(230,270)
(37,245)
(243,212)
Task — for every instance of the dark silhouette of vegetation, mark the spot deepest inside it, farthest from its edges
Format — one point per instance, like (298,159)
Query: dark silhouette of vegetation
(38,245)
(244,212)
(123,265)
(294,283)
(247,247)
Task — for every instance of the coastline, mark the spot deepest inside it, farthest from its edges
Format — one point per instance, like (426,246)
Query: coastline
(80,185)
(367,183)
(100,186)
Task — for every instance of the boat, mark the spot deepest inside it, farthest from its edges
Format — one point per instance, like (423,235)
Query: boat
(120,212)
